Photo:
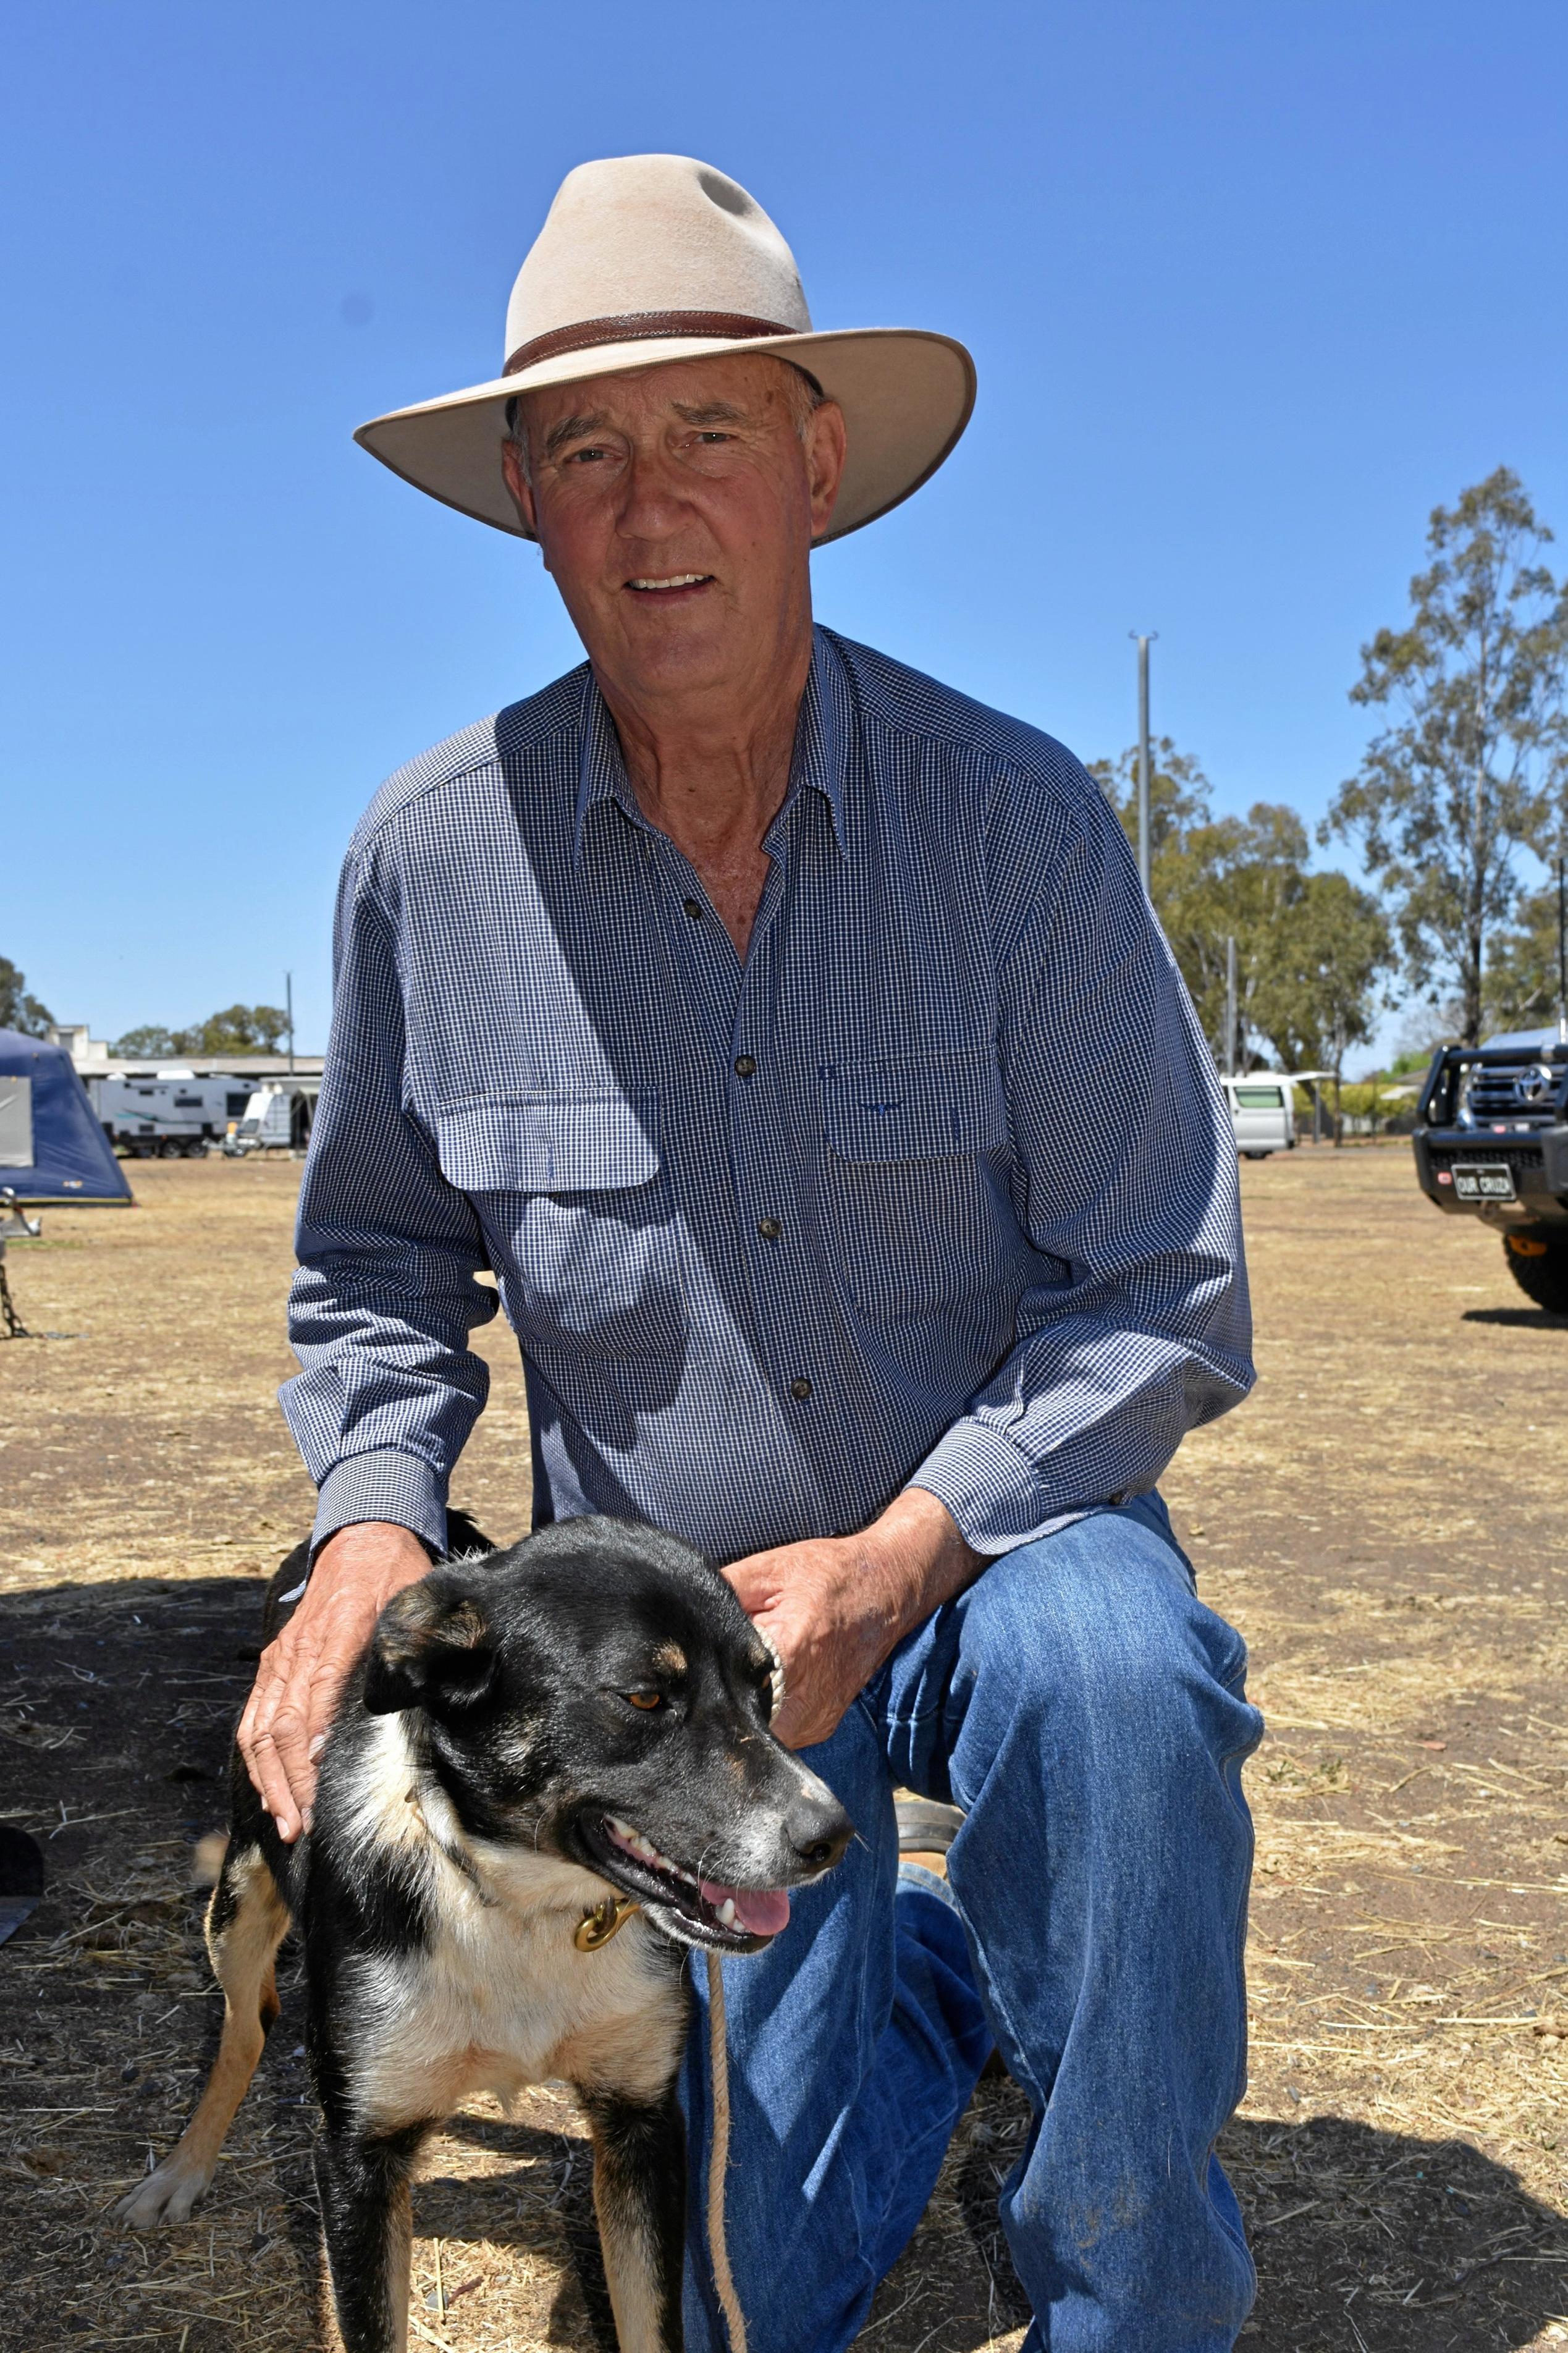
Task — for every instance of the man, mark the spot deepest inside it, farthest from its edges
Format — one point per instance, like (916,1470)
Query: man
(793,1038)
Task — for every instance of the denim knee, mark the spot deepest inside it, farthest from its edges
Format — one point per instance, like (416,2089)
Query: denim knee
(1088,1649)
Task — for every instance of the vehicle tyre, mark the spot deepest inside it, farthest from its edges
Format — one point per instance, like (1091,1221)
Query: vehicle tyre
(1254,1156)
(1540,1268)
(194,1148)
(169,1148)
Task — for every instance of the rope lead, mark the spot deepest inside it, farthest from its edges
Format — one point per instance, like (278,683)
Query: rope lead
(718,2156)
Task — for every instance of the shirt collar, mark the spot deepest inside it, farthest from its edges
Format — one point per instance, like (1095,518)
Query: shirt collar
(820,748)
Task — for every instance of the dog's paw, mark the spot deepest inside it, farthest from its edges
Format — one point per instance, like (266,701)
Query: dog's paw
(166,2196)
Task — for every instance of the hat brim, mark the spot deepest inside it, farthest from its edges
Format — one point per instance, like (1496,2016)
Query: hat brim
(905,395)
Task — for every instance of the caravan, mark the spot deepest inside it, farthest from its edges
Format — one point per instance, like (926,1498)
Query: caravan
(274,1118)
(172,1115)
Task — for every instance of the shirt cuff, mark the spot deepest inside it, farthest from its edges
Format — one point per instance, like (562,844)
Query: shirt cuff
(993,1492)
(382,1485)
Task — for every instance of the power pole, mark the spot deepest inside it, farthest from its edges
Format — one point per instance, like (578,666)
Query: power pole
(289,1001)
(1230,1008)
(1143,850)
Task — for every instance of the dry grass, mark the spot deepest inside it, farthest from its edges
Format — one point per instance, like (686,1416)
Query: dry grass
(1383,1521)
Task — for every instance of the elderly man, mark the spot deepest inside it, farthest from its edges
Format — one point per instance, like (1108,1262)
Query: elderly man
(793,1040)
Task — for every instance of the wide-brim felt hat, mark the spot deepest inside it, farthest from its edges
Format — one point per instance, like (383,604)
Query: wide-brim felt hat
(645,259)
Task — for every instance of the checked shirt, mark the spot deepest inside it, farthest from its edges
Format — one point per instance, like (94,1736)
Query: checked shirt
(936,1187)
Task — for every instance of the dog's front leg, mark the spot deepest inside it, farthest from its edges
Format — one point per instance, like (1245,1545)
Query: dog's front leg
(639,2196)
(362,2181)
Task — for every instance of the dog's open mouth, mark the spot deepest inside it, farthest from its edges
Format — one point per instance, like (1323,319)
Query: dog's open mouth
(710,1911)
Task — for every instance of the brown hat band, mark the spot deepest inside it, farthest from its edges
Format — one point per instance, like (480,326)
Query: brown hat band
(637,327)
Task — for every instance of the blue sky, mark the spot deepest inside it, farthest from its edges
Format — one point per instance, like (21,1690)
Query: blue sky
(1251,284)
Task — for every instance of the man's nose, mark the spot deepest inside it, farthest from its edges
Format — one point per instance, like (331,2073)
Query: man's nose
(816,1829)
(651,506)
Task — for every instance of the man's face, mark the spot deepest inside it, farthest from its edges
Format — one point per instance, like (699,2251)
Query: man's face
(675,508)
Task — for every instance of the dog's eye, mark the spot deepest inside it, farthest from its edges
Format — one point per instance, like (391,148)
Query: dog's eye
(647,1699)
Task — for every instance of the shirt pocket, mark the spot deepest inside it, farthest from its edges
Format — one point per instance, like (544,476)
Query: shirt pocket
(571,1192)
(917,1215)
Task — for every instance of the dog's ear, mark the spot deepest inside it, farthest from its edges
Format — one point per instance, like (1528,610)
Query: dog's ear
(433,1648)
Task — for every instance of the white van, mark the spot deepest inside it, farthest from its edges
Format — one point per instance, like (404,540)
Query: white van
(1263,1112)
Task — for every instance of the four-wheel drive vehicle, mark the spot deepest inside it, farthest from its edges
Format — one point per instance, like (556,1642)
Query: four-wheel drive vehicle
(1491,1142)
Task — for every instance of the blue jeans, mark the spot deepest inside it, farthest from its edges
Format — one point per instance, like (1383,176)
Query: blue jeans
(1087,1711)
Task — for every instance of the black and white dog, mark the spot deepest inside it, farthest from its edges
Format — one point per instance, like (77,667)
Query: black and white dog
(550,1771)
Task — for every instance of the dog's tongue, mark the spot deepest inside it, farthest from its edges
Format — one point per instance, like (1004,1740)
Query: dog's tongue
(761,1911)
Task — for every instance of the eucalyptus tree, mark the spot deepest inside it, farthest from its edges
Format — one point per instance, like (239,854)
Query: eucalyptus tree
(1471,769)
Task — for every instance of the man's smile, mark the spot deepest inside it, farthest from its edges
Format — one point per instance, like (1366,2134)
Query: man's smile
(671,584)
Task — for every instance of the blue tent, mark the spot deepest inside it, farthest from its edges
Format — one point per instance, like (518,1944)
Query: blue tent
(51,1147)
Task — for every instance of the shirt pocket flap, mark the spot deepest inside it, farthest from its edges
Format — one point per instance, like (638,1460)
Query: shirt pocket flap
(905,1110)
(550,1143)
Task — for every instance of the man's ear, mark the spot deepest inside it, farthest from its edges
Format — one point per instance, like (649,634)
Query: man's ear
(433,1648)
(518,488)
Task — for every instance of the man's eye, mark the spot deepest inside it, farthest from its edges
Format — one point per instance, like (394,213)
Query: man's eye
(715,437)
(645,1699)
(583,458)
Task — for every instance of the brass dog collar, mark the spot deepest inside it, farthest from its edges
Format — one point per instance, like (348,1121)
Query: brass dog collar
(596,1928)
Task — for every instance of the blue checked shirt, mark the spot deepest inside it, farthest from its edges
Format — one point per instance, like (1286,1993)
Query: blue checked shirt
(937,1188)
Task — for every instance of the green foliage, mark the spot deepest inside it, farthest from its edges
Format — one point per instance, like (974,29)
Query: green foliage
(17,1009)
(1322,962)
(237,1030)
(144,1043)
(1309,947)
(1476,766)
(1521,986)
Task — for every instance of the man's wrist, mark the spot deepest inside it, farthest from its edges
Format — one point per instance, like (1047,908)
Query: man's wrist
(381,1549)
(916,1558)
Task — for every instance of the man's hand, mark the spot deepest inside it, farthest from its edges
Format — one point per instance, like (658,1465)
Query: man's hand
(284,1726)
(836,1606)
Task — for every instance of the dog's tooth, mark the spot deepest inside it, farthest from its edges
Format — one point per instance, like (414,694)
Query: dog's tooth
(727,1912)
(622,1829)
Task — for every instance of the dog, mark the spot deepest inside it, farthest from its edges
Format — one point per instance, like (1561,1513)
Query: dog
(550,1774)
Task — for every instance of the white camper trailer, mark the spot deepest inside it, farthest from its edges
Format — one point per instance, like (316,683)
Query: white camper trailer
(277,1118)
(172,1116)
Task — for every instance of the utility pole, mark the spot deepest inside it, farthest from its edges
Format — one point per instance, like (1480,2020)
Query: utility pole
(1143,846)
(289,1001)
(1230,1008)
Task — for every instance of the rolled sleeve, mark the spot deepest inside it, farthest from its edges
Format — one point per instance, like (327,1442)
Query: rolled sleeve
(1139,1327)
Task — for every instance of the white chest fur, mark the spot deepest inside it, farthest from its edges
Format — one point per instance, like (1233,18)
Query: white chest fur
(499,1997)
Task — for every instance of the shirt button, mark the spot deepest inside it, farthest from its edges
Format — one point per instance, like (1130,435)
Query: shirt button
(693,908)
(744,1065)
(800,1388)
(769,1229)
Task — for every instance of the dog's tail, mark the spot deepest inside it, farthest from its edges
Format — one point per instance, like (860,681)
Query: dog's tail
(206,1859)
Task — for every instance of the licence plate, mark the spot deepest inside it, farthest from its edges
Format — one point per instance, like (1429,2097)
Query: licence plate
(1485,1180)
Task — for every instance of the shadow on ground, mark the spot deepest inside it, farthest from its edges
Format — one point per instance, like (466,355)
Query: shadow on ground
(1518,1319)
(1417,2245)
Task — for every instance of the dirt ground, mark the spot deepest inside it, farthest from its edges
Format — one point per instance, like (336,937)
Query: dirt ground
(1382,1519)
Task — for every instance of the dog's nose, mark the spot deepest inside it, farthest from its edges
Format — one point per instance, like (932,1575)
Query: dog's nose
(817,1828)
